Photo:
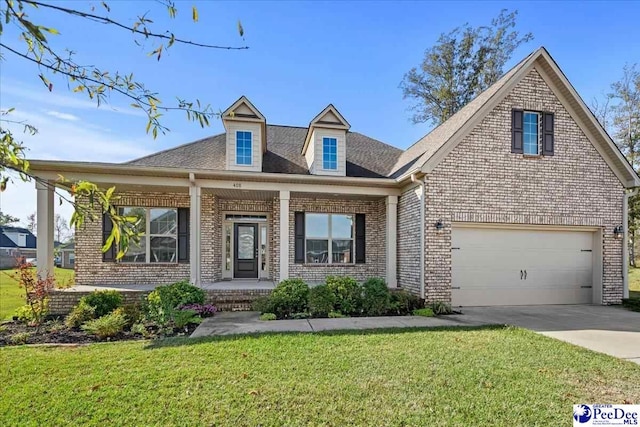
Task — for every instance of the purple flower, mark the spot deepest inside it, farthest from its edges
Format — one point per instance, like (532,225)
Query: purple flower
(203,310)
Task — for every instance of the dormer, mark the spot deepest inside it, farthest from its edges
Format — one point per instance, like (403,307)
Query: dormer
(325,146)
(246,130)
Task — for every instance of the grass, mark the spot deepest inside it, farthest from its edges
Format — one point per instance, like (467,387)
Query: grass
(12,296)
(487,376)
(634,282)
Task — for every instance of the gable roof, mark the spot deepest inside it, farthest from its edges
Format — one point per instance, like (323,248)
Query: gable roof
(425,154)
(4,239)
(366,157)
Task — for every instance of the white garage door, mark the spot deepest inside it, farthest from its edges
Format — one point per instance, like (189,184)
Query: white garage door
(493,266)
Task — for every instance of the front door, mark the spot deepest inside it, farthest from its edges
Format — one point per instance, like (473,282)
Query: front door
(245,264)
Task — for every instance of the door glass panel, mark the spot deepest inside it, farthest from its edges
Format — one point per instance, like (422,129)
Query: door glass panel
(263,248)
(246,242)
(227,247)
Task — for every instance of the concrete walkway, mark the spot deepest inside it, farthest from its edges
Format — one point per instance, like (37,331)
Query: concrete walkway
(606,329)
(248,322)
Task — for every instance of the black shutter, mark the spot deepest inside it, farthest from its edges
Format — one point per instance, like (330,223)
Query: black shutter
(299,237)
(183,235)
(107,226)
(516,131)
(547,134)
(361,256)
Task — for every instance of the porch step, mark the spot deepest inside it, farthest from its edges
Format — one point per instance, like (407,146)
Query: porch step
(235,299)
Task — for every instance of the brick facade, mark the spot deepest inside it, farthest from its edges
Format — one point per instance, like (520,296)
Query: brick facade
(482,181)
(408,240)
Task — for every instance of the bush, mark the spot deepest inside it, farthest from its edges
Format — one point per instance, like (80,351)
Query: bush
(424,312)
(103,301)
(26,314)
(289,296)
(268,316)
(202,310)
(631,303)
(375,297)
(139,329)
(336,315)
(262,304)
(81,313)
(19,338)
(440,308)
(162,302)
(347,293)
(106,326)
(184,318)
(133,313)
(403,303)
(321,301)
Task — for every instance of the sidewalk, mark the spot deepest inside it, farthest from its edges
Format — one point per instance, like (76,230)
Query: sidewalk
(248,322)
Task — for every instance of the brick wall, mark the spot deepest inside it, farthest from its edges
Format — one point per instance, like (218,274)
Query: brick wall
(482,181)
(91,270)
(408,240)
(375,217)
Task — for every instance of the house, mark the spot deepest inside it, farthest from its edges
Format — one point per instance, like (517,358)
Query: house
(519,198)
(67,255)
(15,243)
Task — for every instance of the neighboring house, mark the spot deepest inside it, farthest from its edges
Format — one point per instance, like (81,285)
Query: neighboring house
(67,255)
(15,243)
(519,198)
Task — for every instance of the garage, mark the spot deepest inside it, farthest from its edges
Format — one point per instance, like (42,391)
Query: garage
(524,266)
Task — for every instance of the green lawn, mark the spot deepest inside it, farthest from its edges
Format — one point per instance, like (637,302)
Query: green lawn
(12,296)
(498,377)
(634,282)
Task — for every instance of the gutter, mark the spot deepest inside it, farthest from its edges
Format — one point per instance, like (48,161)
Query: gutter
(625,241)
(422,214)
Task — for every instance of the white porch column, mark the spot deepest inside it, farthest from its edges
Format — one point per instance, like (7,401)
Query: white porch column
(194,233)
(392,241)
(284,234)
(44,219)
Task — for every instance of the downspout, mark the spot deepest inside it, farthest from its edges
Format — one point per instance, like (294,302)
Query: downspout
(422,252)
(625,242)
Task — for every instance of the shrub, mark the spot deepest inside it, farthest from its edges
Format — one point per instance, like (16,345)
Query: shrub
(336,315)
(268,316)
(631,303)
(303,315)
(262,304)
(139,329)
(347,293)
(375,297)
(321,301)
(132,313)
(424,312)
(165,299)
(36,291)
(19,338)
(289,296)
(403,303)
(81,313)
(183,318)
(106,326)
(202,310)
(103,301)
(29,313)
(440,308)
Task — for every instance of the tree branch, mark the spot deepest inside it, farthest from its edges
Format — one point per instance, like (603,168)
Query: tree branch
(105,20)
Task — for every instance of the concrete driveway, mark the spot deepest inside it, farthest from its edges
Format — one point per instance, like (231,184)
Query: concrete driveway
(605,329)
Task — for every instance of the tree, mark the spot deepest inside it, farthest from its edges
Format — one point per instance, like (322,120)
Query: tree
(6,219)
(622,121)
(31,223)
(99,83)
(462,64)
(60,227)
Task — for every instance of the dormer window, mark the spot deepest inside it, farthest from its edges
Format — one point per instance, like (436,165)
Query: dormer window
(244,148)
(329,153)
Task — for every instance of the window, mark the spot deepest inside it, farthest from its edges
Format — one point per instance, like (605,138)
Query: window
(159,242)
(244,146)
(530,133)
(329,153)
(329,238)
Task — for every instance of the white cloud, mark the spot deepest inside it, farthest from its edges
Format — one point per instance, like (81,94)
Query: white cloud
(63,116)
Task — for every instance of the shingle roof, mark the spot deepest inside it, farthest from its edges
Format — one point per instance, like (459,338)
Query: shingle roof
(427,146)
(366,157)
(6,242)
(30,241)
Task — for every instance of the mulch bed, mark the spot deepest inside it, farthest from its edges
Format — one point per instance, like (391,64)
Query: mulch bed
(54,332)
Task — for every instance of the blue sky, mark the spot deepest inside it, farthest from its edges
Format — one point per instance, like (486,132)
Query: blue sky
(302,56)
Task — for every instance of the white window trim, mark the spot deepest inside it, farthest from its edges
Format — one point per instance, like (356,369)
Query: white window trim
(322,153)
(147,237)
(235,155)
(538,133)
(330,239)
